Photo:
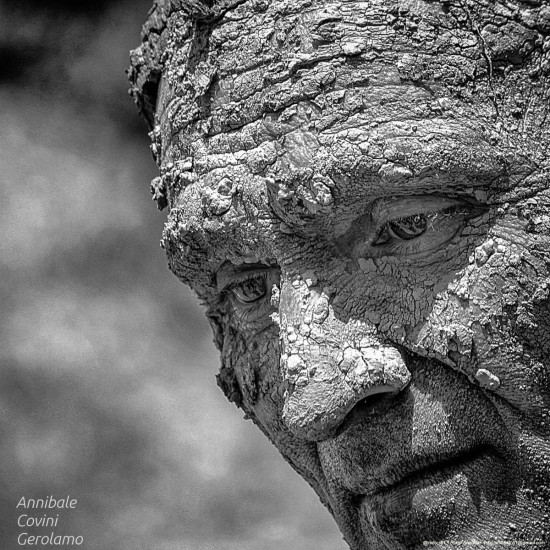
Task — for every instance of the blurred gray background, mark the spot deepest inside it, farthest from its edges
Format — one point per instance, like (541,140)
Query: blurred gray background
(107,382)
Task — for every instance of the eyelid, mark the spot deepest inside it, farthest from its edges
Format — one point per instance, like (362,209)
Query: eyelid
(387,210)
(231,275)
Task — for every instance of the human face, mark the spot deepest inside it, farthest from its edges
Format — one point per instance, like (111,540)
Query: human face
(373,252)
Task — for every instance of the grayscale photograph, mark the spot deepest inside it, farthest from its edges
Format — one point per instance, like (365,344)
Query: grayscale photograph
(275,274)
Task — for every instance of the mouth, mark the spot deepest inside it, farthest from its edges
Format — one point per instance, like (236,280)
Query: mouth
(428,499)
(427,471)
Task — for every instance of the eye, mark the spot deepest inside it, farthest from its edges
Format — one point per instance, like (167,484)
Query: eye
(250,290)
(406,228)
(412,226)
(247,287)
(419,232)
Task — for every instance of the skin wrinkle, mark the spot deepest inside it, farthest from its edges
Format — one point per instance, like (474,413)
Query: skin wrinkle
(291,135)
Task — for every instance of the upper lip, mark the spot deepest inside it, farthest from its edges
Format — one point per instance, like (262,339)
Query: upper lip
(419,468)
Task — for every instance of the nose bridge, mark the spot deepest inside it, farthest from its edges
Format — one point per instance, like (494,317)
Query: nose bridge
(330,365)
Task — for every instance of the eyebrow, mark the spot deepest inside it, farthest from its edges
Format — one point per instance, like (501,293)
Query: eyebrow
(462,167)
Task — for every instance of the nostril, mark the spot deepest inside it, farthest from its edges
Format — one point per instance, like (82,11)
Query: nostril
(374,404)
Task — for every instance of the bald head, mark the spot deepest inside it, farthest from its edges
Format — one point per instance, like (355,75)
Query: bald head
(476,44)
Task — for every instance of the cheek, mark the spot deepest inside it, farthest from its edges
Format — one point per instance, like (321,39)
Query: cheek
(250,364)
(491,323)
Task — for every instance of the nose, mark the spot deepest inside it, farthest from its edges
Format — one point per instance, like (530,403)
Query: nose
(329,364)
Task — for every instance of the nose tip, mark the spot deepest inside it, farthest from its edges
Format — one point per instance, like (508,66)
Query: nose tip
(321,395)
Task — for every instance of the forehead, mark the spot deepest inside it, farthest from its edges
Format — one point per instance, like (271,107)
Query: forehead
(294,120)
(261,57)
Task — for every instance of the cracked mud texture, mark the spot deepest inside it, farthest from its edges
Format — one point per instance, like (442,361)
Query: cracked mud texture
(359,194)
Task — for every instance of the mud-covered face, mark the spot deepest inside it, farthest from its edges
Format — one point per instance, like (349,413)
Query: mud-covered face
(373,250)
